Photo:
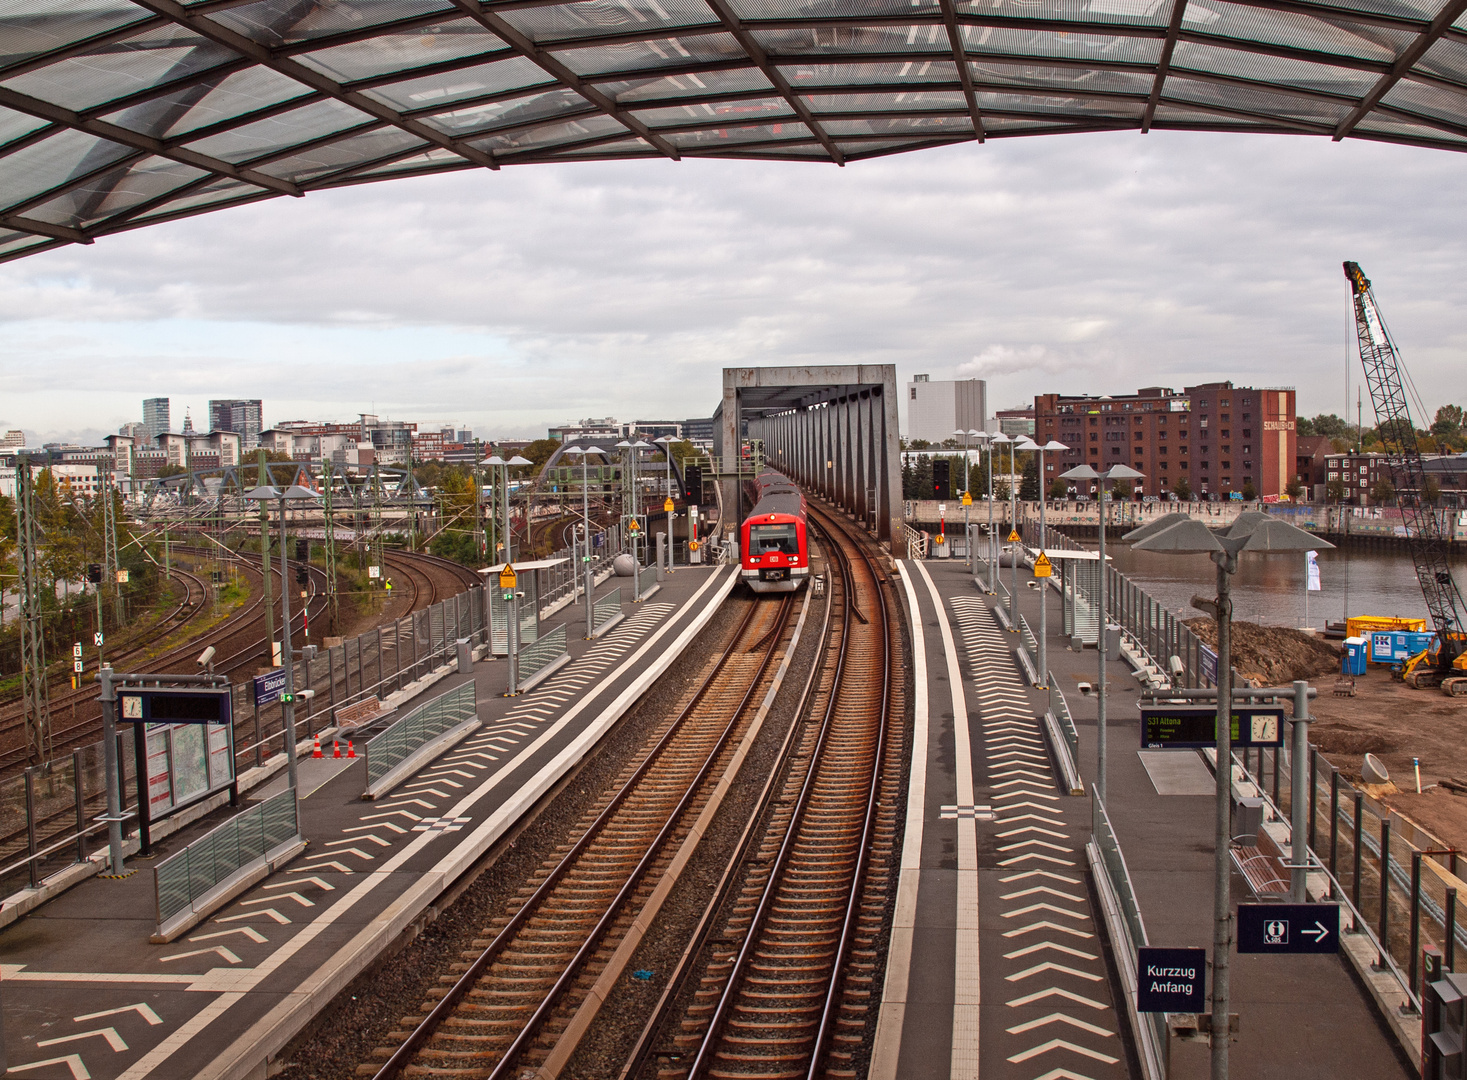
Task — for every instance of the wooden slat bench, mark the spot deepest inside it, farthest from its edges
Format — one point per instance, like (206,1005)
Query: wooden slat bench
(1263,867)
(360,713)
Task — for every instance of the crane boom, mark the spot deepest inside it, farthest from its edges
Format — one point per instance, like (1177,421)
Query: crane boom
(1424,532)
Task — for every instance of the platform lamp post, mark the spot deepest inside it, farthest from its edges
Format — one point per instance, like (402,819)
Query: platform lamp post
(297,494)
(1044,585)
(1027,445)
(1115,472)
(1179,534)
(666,445)
(512,620)
(586,520)
(999,438)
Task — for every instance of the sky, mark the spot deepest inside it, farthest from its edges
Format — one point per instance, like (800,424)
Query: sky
(511,301)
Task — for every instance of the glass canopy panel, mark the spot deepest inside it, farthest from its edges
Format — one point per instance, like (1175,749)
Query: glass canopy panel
(37,168)
(224,190)
(445,88)
(115,192)
(1097,80)
(1153,13)
(1446,59)
(901,125)
(1099,47)
(624,148)
(815,10)
(572,131)
(283,22)
(497,114)
(148,59)
(690,85)
(598,18)
(893,72)
(729,136)
(1436,101)
(14,125)
(1278,70)
(916,40)
(1059,105)
(1414,132)
(211,101)
(1425,10)
(404,51)
(714,112)
(31,28)
(1335,36)
(369,146)
(281,132)
(1262,103)
(652,54)
(434,160)
(869,103)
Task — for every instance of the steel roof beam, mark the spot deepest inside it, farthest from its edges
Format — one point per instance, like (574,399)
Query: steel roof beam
(960,59)
(1414,52)
(1174,27)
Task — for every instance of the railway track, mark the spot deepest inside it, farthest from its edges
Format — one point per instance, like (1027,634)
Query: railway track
(778,976)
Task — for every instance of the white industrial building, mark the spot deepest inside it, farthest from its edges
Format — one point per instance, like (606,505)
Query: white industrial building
(935,409)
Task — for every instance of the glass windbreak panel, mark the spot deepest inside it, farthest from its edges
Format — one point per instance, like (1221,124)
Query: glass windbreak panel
(688,85)
(780,537)
(404,51)
(151,58)
(588,127)
(715,112)
(1429,100)
(597,18)
(212,101)
(1296,30)
(344,154)
(444,88)
(280,132)
(282,22)
(43,165)
(1284,71)
(31,28)
(1096,80)
(662,52)
(115,192)
(905,100)
(915,72)
(498,114)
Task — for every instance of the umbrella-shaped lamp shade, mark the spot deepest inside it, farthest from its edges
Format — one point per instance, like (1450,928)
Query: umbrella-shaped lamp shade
(1080,472)
(1245,523)
(1151,528)
(494,460)
(1276,535)
(296,493)
(1181,537)
(517,460)
(263,493)
(1054,445)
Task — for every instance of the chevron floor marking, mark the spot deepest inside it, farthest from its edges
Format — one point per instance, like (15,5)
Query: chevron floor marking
(1053,956)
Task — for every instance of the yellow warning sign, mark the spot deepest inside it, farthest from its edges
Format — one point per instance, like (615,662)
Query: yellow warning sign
(667,505)
(967,498)
(1013,536)
(1043,567)
(692,545)
(632,526)
(507,577)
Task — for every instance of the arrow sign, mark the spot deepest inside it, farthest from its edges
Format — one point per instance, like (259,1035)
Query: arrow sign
(1288,928)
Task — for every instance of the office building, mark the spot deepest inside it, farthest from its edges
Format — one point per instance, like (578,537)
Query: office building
(243,416)
(936,409)
(155,417)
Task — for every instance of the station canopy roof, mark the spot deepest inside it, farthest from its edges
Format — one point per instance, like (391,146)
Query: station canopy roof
(118,113)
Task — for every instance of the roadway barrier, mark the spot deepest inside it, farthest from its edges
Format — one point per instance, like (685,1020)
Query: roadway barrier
(403,737)
(209,871)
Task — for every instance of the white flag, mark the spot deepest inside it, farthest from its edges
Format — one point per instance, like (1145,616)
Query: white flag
(1312,563)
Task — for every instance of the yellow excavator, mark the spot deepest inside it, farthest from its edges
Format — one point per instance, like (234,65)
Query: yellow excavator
(1444,662)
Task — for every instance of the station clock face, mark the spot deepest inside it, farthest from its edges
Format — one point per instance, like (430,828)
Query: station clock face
(1265,729)
(132,707)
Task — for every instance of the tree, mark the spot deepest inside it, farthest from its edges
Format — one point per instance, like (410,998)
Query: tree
(1001,491)
(1029,482)
(1295,489)
(1325,424)
(1120,490)
(1448,422)
(538,453)
(1249,491)
(1431,491)
(1181,489)
(1058,489)
(1334,491)
(1383,491)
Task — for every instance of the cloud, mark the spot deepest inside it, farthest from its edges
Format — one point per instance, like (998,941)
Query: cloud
(509,301)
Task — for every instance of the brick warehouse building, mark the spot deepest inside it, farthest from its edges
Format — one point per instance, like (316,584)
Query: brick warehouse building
(1217,436)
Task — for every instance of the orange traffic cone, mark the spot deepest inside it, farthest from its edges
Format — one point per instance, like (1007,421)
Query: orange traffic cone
(336,747)
(317,751)
(351,750)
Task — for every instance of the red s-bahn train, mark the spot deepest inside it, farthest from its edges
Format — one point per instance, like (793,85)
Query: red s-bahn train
(774,543)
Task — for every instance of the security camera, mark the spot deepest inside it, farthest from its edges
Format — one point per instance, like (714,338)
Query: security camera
(1033,584)
(206,656)
(305,694)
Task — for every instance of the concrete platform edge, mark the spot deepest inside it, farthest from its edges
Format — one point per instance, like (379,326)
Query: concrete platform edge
(248,1057)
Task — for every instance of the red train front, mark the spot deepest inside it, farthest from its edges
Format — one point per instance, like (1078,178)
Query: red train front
(773,543)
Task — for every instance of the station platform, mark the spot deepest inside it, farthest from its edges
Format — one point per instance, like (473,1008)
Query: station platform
(999,967)
(85,995)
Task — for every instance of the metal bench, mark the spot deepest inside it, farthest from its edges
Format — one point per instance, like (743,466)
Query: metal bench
(1263,867)
(361,713)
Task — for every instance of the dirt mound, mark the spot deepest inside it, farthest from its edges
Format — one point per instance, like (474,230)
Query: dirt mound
(1274,655)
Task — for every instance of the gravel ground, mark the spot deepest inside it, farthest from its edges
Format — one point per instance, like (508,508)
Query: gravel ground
(359,1020)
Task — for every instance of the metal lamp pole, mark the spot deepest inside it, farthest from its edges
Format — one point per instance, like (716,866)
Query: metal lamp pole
(511,630)
(982,437)
(993,540)
(586,520)
(1017,444)
(666,445)
(1044,584)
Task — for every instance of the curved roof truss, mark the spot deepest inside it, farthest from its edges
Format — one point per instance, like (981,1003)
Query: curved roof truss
(115,114)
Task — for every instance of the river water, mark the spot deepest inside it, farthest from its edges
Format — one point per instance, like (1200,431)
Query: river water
(1270,588)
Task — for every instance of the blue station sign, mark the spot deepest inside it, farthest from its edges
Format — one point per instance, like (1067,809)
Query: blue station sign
(269,687)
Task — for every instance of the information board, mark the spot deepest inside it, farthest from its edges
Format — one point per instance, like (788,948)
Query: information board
(1288,928)
(188,705)
(1171,980)
(1189,727)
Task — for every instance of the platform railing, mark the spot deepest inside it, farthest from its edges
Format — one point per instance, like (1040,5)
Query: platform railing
(429,720)
(185,877)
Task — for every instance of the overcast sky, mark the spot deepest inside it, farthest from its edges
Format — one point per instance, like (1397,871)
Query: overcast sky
(510,301)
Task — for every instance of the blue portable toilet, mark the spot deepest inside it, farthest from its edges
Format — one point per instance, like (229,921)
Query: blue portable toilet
(1357,651)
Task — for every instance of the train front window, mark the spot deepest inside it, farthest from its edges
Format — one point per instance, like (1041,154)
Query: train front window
(764,539)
